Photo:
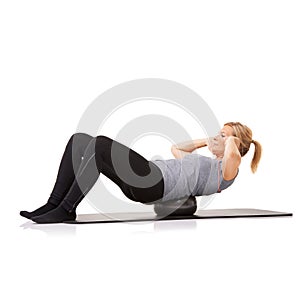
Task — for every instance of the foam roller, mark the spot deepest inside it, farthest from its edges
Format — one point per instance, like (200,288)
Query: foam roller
(180,207)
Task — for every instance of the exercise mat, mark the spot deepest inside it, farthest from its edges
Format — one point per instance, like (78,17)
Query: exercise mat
(199,214)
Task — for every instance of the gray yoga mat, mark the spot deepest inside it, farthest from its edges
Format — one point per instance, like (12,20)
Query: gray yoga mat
(200,214)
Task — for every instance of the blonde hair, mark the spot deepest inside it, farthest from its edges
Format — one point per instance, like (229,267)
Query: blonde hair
(244,133)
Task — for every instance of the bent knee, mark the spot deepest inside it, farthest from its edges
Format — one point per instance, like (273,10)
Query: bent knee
(103,138)
(103,142)
(80,139)
(81,135)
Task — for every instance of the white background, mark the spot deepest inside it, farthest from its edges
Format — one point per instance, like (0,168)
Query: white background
(241,57)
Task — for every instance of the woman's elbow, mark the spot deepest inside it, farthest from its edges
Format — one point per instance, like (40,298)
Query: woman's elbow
(178,153)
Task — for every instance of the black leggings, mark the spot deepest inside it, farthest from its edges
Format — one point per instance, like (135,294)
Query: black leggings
(101,154)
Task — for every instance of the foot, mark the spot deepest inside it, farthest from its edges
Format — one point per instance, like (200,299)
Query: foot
(56,215)
(41,210)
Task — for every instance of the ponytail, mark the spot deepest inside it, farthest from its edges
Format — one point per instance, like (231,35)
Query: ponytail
(256,156)
(244,133)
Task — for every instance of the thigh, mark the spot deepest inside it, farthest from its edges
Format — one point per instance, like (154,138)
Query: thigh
(140,179)
(153,191)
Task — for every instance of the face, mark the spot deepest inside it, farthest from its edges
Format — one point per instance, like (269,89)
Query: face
(217,144)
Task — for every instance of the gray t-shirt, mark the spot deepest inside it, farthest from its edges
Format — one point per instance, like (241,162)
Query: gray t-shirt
(194,174)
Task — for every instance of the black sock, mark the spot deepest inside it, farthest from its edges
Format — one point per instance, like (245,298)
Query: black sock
(39,211)
(57,215)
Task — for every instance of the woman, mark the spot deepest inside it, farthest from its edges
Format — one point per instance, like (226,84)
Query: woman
(142,180)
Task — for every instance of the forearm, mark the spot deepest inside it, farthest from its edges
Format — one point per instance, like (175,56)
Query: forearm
(179,153)
(231,148)
(190,146)
(231,159)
